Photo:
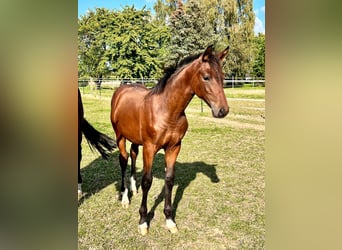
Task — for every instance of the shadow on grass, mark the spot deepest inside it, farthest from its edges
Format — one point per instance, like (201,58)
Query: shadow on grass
(101,173)
(185,173)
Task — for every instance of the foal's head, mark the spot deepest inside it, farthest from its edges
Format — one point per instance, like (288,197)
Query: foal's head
(208,84)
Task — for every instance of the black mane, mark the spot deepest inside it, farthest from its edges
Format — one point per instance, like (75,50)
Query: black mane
(169,71)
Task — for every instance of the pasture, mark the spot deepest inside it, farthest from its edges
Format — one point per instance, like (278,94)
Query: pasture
(219,192)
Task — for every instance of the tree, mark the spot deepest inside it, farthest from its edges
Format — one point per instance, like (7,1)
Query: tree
(233,21)
(93,32)
(190,31)
(164,9)
(241,41)
(134,44)
(134,48)
(125,44)
(259,56)
(194,25)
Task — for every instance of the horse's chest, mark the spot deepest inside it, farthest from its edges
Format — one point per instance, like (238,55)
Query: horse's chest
(173,133)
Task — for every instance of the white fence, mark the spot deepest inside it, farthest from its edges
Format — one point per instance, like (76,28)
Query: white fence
(237,82)
(150,82)
(114,83)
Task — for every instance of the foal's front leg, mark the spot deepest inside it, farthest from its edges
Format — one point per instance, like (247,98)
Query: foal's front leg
(170,160)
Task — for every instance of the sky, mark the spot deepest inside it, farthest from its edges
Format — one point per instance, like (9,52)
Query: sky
(84,5)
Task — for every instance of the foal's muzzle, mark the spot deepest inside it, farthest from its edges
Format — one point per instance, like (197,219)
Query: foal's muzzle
(220,112)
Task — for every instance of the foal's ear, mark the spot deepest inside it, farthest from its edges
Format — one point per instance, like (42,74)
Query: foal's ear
(223,54)
(208,52)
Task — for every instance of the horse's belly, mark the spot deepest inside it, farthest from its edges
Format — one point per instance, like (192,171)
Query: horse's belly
(126,123)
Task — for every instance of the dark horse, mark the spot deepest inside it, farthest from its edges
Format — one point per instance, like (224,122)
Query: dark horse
(103,143)
(156,120)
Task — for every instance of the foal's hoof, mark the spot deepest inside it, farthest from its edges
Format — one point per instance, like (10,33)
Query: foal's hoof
(171,226)
(125,204)
(173,230)
(134,192)
(124,199)
(79,193)
(143,229)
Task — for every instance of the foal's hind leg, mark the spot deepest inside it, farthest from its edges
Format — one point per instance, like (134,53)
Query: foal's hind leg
(134,153)
(146,182)
(170,160)
(123,158)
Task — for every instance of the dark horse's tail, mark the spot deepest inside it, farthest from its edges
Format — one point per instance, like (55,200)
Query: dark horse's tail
(103,143)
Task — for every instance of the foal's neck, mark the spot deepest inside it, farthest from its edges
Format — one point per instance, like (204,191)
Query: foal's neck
(178,93)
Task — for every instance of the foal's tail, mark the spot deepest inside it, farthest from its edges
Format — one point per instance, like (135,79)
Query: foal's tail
(103,143)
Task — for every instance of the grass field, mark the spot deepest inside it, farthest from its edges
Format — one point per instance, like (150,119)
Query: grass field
(219,192)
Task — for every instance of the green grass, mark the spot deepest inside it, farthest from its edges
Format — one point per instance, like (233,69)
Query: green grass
(241,92)
(218,196)
(246,92)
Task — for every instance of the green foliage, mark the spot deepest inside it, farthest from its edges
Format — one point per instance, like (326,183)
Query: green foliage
(238,18)
(190,31)
(92,48)
(163,9)
(124,44)
(196,24)
(134,43)
(259,56)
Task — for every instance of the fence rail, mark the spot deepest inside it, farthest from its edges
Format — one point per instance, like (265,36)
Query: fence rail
(239,82)
(151,82)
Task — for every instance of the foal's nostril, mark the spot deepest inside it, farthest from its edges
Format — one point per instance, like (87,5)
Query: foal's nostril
(221,113)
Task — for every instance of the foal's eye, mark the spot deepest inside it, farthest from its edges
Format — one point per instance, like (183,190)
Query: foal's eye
(206,78)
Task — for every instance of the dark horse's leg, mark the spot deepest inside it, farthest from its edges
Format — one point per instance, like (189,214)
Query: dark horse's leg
(134,153)
(170,160)
(79,191)
(123,158)
(80,119)
(146,182)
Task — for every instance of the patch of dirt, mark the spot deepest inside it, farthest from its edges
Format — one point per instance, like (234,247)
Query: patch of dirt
(232,123)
